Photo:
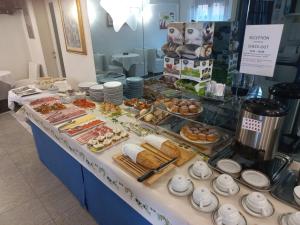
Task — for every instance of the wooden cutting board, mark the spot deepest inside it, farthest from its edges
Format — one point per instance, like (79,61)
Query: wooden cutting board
(186,154)
(137,170)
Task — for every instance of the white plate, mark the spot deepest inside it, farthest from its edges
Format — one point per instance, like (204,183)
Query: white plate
(242,221)
(229,166)
(255,178)
(198,142)
(197,177)
(252,213)
(112,84)
(96,88)
(188,191)
(283,219)
(297,191)
(226,194)
(86,84)
(207,209)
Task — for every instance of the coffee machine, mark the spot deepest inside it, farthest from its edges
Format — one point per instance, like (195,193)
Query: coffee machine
(289,95)
(258,129)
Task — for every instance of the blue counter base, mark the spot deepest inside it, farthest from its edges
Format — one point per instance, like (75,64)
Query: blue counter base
(103,204)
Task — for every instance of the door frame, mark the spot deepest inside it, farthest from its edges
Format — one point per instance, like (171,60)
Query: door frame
(59,57)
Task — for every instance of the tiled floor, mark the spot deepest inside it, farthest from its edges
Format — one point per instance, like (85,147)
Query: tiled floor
(29,193)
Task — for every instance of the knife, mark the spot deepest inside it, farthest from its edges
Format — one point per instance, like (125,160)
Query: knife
(152,172)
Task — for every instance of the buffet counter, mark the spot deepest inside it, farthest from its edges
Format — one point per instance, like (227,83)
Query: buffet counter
(112,195)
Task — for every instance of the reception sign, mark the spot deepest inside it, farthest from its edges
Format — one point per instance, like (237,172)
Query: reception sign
(261,44)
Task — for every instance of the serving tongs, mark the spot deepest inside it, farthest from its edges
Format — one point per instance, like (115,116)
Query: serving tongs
(152,172)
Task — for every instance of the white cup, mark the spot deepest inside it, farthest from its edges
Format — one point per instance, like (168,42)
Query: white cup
(202,197)
(294,219)
(225,183)
(297,194)
(258,203)
(180,183)
(228,215)
(201,169)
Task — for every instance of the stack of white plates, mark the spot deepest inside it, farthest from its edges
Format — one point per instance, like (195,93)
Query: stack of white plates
(84,86)
(135,87)
(97,93)
(113,92)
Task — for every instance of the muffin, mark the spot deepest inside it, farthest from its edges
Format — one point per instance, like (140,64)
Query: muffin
(193,109)
(183,110)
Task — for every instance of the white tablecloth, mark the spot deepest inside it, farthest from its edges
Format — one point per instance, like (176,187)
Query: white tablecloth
(13,98)
(127,60)
(6,82)
(154,203)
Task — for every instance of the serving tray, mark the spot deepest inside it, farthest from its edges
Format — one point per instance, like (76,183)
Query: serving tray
(273,169)
(137,170)
(284,190)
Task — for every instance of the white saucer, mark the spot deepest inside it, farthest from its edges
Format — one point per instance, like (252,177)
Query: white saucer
(255,178)
(213,183)
(188,191)
(283,219)
(229,166)
(191,173)
(252,213)
(242,221)
(207,209)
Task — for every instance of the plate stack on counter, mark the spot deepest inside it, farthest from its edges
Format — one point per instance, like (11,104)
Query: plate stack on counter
(85,86)
(97,93)
(135,87)
(113,92)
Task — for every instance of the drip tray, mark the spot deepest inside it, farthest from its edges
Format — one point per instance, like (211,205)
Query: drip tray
(273,169)
(284,190)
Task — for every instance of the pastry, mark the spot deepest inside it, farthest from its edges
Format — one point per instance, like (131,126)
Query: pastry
(184,110)
(174,109)
(148,117)
(193,109)
(199,132)
(107,142)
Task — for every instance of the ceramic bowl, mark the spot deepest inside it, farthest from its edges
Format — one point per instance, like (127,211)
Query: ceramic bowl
(201,169)
(180,183)
(258,203)
(225,183)
(202,197)
(296,194)
(228,215)
(294,219)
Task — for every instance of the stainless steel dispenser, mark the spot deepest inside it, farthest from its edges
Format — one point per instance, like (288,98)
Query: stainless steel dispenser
(259,126)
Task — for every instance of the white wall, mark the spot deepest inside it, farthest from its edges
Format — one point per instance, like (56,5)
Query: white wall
(14,53)
(78,67)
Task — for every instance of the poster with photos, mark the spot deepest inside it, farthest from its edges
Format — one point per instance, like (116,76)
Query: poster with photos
(165,18)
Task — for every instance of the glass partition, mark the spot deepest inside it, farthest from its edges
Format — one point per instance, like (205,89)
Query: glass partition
(138,52)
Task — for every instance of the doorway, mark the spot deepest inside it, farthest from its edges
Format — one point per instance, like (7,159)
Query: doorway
(55,37)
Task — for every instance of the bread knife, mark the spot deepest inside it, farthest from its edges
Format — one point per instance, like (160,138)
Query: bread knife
(152,172)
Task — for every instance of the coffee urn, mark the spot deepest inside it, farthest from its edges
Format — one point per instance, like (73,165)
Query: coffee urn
(259,125)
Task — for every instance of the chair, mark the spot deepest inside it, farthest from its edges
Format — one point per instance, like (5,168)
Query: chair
(140,69)
(155,61)
(34,72)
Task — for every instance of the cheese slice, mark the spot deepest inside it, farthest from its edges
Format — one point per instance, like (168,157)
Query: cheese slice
(80,120)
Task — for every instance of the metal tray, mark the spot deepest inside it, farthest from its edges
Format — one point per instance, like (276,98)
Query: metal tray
(284,190)
(273,169)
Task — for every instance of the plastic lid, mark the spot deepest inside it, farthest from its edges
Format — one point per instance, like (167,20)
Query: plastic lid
(286,90)
(265,107)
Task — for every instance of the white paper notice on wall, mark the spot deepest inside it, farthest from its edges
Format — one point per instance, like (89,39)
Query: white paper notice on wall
(251,124)
(261,45)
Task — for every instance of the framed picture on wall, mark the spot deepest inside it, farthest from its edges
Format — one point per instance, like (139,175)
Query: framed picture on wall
(73,26)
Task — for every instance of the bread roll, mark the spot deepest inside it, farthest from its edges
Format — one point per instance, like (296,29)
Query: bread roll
(170,149)
(147,159)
